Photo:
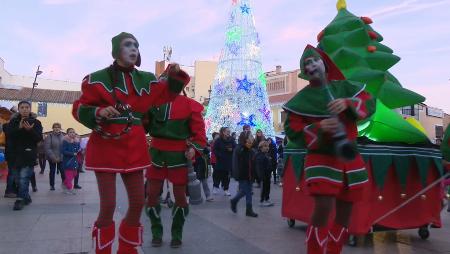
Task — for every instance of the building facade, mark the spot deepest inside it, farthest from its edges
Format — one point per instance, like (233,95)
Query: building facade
(281,87)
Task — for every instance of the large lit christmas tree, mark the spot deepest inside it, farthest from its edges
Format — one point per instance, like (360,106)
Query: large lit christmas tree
(239,94)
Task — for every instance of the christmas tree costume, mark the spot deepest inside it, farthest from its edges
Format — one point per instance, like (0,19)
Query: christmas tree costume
(131,92)
(175,128)
(445,148)
(325,173)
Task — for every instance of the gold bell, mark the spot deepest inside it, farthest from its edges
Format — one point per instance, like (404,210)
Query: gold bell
(403,195)
(423,196)
(297,188)
(380,197)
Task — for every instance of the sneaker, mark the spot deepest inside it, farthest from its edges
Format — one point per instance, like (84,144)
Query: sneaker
(52,188)
(156,242)
(10,195)
(215,191)
(67,192)
(77,187)
(262,203)
(227,193)
(73,192)
(175,243)
(268,203)
(34,189)
(18,205)
(209,199)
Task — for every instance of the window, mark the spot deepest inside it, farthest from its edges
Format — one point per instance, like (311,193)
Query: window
(42,109)
(411,111)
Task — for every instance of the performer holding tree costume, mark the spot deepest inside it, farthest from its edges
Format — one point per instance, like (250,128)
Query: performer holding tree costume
(178,131)
(313,122)
(112,104)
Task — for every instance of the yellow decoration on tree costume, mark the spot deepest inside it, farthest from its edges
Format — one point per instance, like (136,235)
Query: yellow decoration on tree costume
(341,4)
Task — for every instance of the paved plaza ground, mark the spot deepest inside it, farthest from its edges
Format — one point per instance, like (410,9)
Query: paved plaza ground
(58,223)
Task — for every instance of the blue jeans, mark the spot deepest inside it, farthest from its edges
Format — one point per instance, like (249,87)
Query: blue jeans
(245,189)
(11,186)
(24,182)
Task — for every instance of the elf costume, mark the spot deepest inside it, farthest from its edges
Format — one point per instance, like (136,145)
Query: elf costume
(326,174)
(125,153)
(174,127)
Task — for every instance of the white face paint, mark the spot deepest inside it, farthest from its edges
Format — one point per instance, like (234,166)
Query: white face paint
(129,52)
(315,68)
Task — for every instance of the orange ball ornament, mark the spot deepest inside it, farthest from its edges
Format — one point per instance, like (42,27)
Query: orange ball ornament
(367,20)
(371,49)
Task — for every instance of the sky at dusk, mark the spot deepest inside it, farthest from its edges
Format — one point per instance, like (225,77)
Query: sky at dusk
(71,38)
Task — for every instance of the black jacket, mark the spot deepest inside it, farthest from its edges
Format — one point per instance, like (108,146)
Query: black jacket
(223,154)
(245,163)
(22,147)
(201,165)
(262,165)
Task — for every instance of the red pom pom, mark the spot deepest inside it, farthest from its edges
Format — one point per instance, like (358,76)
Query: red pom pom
(320,35)
(367,20)
(373,35)
(371,49)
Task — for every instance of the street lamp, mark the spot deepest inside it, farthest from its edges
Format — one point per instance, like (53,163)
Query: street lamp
(35,84)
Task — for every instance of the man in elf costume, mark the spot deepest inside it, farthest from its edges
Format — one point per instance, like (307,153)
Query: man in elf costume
(178,132)
(112,104)
(313,121)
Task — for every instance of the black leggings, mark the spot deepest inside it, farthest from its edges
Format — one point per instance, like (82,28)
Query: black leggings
(223,177)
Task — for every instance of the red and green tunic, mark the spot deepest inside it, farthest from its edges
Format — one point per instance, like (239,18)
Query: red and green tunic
(174,127)
(141,90)
(305,111)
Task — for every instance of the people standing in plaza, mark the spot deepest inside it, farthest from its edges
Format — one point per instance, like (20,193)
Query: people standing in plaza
(245,164)
(327,106)
(223,149)
(25,132)
(42,159)
(112,104)
(263,169)
(53,148)
(201,167)
(70,151)
(178,134)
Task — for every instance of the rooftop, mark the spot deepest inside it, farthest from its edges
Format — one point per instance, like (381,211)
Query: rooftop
(41,95)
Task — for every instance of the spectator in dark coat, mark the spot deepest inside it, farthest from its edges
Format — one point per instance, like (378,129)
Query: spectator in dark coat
(264,170)
(244,173)
(201,167)
(53,151)
(273,158)
(223,149)
(25,132)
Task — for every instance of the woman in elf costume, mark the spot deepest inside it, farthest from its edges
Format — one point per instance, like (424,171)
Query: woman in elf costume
(112,104)
(178,132)
(328,105)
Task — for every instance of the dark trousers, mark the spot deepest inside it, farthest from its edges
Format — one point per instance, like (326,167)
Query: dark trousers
(24,175)
(223,177)
(33,180)
(53,168)
(245,189)
(11,181)
(265,191)
(42,162)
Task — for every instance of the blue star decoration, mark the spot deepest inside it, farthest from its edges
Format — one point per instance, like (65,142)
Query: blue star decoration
(265,112)
(244,84)
(247,120)
(245,9)
(259,92)
(234,48)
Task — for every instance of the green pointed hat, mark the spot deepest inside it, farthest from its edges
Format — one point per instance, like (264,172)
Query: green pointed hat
(116,40)
(333,72)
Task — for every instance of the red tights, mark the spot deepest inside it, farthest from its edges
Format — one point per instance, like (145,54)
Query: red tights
(134,184)
(154,190)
